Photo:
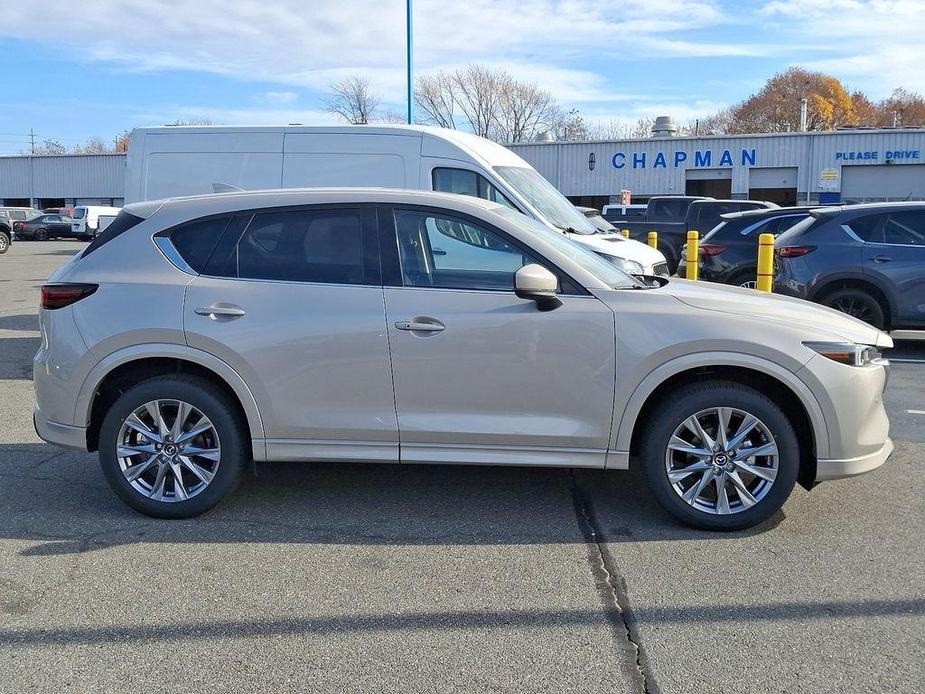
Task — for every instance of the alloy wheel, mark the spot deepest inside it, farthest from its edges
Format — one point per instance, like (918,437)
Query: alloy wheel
(4,244)
(856,307)
(722,460)
(168,450)
(749,284)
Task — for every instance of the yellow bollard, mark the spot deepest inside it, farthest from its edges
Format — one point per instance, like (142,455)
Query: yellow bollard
(626,233)
(766,262)
(693,255)
(653,239)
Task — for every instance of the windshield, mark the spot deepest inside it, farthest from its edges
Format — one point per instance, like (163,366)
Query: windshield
(80,212)
(587,259)
(548,201)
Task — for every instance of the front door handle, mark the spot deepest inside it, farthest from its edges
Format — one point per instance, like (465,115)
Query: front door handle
(420,325)
(883,258)
(220,311)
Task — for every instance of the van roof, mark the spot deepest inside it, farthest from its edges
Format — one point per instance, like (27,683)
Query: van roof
(479,146)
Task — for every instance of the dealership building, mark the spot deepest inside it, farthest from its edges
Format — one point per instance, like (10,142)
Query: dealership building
(787,168)
(44,181)
(858,165)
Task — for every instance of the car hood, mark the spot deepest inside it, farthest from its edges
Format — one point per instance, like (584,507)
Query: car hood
(776,308)
(615,244)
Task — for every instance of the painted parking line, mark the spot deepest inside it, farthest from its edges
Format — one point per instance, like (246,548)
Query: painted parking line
(907,361)
(915,412)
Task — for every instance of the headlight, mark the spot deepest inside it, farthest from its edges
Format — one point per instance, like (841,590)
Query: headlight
(629,266)
(846,352)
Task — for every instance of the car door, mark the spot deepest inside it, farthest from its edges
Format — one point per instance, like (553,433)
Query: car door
(895,255)
(59,226)
(292,300)
(480,375)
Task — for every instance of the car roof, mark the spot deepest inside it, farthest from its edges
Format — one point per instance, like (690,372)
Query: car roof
(194,206)
(769,212)
(869,206)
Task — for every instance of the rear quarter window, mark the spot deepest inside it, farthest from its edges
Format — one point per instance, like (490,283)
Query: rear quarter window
(122,223)
(195,241)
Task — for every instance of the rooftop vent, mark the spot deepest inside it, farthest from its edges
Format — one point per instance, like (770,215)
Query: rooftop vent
(545,136)
(664,127)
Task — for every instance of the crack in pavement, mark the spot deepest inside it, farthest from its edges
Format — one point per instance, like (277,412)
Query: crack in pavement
(613,592)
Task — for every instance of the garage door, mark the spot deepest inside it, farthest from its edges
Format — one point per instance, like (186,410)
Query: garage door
(882,182)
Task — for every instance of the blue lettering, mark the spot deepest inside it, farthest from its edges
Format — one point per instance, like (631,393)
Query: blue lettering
(678,158)
(639,160)
(839,155)
(622,160)
(660,161)
(726,159)
(703,158)
(874,155)
(750,158)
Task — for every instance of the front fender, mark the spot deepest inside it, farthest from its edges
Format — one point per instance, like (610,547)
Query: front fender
(626,423)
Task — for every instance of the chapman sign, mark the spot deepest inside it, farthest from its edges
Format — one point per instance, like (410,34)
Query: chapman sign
(702,159)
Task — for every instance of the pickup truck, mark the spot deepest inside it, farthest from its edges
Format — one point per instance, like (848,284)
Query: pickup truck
(672,216)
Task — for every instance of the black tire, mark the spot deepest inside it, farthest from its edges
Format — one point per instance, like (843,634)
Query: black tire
(857,303)
(214,404)
(40,235)
(4,242)
(740,278)
(695,398)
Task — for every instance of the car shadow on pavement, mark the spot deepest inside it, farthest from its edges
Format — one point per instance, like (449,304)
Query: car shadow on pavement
(449,620)
(28,322)
(60,499)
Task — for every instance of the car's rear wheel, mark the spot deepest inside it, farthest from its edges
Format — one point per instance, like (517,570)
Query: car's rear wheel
(747,280)
(4,243)
(173,446)
(720,456)
(857,303)
(41,235)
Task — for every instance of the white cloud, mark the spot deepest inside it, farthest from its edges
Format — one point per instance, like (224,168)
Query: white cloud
(311,45)
(233,116)
(279,98)
(874,45)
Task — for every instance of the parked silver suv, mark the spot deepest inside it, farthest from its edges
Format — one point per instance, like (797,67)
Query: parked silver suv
(198,334)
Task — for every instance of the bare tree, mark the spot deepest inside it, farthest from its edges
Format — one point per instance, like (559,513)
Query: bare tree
(51,147)
(94,145)
(478,92)
(435,97)
(571,126)
(522,110)
(351,100)
(191,121)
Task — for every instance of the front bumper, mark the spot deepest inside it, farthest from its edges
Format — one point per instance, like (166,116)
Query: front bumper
(837,469)
(65,435)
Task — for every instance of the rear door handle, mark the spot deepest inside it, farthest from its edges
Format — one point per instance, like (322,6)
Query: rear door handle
(883,258)
(420,325)
(220,311)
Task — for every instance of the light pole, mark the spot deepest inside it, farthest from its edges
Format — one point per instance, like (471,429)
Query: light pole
(410,80)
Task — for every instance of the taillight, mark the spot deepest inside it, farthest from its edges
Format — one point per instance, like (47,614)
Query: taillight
(710,249)
(794,251)
(61,295)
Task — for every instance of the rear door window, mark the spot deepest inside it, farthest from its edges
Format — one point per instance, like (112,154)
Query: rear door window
(905,228)
(328,246)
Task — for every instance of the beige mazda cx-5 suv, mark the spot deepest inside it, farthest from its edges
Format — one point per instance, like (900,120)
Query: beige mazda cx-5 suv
(196,335)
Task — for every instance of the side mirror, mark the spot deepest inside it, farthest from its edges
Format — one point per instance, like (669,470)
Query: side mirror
(536,283)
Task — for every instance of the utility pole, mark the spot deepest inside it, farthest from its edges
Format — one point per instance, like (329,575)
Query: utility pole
(32,139)
(410,79)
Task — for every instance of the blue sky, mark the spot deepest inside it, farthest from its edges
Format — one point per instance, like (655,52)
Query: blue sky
(115,64)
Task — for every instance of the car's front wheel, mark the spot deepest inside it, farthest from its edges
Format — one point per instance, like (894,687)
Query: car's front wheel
(41,235)
(173,446)
(4,243)
(720,456)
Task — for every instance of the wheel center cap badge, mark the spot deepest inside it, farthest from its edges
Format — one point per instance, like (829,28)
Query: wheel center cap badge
(720,459)
(170,449)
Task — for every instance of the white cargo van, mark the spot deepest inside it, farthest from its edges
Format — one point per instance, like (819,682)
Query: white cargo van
(171,161)
(86,222)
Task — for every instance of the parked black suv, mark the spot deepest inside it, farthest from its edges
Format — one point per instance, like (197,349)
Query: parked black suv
(672,216)
(865,260)
(729,253)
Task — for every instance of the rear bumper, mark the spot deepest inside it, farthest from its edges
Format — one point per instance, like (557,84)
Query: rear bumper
(65,435)
(837,469)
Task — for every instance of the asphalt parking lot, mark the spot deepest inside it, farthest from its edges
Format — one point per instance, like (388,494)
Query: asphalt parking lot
(392,578)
